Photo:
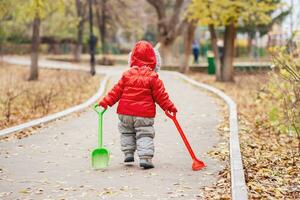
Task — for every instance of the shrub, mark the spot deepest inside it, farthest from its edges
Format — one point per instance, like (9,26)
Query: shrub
(284,94)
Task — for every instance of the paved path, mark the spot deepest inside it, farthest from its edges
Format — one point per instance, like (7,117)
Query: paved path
(55,163)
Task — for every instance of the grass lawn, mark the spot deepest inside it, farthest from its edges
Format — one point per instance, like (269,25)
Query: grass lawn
(271,160)
(56,90)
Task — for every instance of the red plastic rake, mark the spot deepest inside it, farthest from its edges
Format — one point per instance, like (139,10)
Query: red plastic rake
(197,164)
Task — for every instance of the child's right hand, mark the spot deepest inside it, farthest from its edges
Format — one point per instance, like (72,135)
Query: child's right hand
(103,104)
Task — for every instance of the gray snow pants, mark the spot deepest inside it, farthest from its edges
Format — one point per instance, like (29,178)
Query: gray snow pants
(137,133)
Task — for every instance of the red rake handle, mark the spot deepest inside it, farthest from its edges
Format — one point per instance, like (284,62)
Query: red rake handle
(186,142)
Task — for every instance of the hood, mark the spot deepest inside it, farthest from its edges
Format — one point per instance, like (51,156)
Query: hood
(143,54)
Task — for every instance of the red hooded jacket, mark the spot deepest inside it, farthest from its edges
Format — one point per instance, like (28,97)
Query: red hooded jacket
(140,87)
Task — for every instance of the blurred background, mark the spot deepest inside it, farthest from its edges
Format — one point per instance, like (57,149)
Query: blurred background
(64,28)
(247,48)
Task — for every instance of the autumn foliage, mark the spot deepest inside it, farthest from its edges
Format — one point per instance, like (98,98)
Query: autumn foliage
(268,110)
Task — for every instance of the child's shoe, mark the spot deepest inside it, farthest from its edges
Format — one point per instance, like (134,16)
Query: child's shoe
(146,163)
(129,157)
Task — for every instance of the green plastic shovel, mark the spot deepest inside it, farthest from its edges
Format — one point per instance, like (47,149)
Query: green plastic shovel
(100,155)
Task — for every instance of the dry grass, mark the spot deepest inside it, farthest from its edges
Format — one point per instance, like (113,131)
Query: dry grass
(56,90)
(272,167)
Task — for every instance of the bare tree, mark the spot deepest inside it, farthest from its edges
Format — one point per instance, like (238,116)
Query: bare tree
(10,97)
(44,99)
(169,27)
(11,91)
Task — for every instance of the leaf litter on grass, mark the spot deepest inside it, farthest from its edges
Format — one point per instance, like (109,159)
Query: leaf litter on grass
(272,171)
(56,90)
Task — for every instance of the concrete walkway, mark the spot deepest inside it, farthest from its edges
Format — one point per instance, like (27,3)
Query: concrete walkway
(55,162)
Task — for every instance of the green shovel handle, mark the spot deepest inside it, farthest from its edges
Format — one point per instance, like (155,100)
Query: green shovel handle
(100,123)
(96,108)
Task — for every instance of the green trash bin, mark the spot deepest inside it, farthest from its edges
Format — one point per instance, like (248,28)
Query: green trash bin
(211,63)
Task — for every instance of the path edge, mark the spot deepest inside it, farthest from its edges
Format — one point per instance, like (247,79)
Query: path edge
(60,114)
(238,183)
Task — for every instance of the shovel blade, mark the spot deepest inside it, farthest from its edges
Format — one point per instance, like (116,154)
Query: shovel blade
(100,158)
(198,165)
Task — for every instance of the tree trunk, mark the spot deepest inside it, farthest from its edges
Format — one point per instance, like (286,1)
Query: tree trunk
(101,18)
(214,45)
(78,49)
(269,42)
(249,44)
(103,27)
(188,39)
(35,42)
(166,54)
(229,38)
(169,27)
(92,41)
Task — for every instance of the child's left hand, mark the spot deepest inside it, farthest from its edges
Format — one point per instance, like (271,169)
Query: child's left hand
(103,104)
(172,109)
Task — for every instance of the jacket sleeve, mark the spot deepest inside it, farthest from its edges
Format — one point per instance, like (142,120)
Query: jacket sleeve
(115,93)
(160,94)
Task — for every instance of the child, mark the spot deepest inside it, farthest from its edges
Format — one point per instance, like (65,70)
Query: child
(138,90)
